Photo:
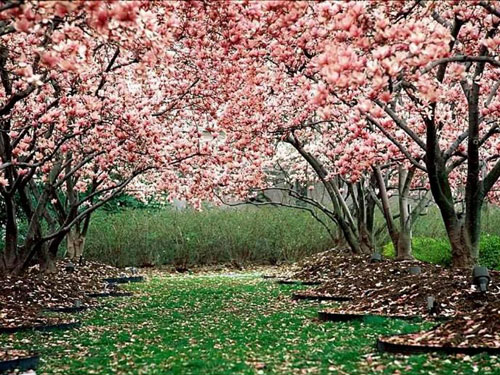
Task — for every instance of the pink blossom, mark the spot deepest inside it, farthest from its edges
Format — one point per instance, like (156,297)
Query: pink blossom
(23,25)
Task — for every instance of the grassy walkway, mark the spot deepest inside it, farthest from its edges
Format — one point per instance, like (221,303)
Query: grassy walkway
(226,325)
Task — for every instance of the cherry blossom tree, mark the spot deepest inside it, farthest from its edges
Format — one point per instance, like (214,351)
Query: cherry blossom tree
(196,98)
(282,99)
(429,71)
(421,74)
(94,96)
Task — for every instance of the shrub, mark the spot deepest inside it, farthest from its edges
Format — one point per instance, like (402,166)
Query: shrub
(433,250)
(489,251)
(439,250)
(213,236)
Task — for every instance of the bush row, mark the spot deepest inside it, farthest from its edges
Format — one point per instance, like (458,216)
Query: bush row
(438,250)
(136,237)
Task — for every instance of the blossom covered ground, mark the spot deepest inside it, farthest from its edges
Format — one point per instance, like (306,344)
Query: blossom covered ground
(227,323)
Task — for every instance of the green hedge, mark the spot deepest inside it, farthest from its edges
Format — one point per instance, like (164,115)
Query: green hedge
(489,251)
(213,236)
(438,250)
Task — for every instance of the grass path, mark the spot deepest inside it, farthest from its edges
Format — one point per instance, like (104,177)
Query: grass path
(226,325)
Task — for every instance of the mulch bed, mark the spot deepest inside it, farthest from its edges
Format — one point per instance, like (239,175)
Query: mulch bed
(363,276)
(471,333)
(327,265)
(319,267)
(17,359)
(24,298)
(389,289)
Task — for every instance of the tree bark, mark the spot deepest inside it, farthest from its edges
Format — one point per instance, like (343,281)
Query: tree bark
(461,250)
(47,260)
(365,240)
(400,237)
(10,253)
(403,250)
(365,234)
(386,209)
(463,233)
(75,243)
(474,186)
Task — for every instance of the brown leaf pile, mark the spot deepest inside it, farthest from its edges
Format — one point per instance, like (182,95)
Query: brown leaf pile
(387,288)
(22,298)
(481,329)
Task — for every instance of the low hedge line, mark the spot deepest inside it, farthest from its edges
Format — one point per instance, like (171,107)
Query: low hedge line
(136,237)
(438,250)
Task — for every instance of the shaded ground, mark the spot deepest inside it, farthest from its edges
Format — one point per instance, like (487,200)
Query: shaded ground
(232,324)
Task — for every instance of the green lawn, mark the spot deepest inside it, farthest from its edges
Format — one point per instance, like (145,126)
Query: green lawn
(227,325)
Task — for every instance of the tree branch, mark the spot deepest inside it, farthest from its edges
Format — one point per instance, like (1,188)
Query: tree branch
(491,178)
(401,124)
(170,107)
(401,148)
(461,58)
(489,8)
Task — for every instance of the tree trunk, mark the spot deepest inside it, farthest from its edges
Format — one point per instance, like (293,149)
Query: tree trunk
(339,241)
(386,209)
(365,234)
(462,250)
(403,250)
(10,253)
(47,261)
(365,240)
(75,244)
(370,215)
(350,237)
(340,209)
